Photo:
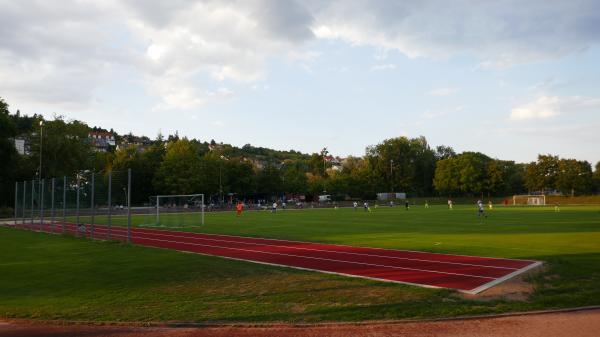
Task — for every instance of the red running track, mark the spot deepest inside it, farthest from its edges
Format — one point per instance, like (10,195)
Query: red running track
(470,274)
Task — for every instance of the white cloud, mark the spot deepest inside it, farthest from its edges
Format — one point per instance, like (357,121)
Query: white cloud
(499,33)
(440,113)
(549,106)
(443,91)
(387,66)
(60,55)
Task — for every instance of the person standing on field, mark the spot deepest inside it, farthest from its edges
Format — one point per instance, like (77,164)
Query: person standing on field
(239,208)
(355,205)
(449,203)
(480,209)
(274,209)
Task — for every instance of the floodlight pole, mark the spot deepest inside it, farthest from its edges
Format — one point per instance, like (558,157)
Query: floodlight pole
(157,209)
(16,202)
(64,210)
(24,193)
(392,175)
(128,205)
(109,203)
(41,147)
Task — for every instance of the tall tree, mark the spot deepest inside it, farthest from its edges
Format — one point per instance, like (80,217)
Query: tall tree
(180,171)
(542,175)
(574,176)
(8,156)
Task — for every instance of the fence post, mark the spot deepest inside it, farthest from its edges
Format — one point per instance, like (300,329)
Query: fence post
(109,203)
(77,209)
(32,192)
(16,202)
(128,205)
(24,193)
(93,207)
(64,215)
(52,207)
(42,183)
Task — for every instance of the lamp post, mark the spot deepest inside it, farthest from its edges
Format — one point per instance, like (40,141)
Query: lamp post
(220,179)
(392,175)
(41,148)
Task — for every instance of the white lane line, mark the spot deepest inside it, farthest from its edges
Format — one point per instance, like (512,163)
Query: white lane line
(472,291)
(328,251)
(206,237)
(503,278)
(313,258)
(342,245)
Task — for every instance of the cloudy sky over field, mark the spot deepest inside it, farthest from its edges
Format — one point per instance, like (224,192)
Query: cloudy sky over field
(508,78)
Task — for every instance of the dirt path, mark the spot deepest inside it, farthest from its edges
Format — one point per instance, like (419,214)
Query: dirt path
(570,324)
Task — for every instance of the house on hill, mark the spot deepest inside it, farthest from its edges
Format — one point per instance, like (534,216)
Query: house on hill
(101,140)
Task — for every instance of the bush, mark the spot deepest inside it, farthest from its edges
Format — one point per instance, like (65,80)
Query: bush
(6,212)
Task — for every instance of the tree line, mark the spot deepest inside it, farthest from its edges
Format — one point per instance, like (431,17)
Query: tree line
(177,165)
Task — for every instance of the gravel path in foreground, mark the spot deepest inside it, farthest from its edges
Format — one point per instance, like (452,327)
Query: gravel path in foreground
(568,324)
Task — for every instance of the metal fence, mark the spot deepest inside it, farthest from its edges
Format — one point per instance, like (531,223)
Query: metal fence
(84,204)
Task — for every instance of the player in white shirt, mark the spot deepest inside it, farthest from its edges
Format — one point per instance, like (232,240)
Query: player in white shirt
(274,209)
(355,205)
(480,209)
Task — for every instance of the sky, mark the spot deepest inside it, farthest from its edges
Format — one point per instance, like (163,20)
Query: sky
(511,79)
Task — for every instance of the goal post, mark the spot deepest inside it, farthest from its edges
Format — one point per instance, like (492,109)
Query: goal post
(527,199)
(178,209)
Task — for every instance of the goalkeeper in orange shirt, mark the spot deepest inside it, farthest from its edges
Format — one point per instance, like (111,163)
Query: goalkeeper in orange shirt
(239,208)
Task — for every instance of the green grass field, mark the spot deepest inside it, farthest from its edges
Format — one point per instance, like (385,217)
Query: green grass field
(47,276)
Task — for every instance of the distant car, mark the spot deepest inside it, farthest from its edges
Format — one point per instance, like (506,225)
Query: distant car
(324,198)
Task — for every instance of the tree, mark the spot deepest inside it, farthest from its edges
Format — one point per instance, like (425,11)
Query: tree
(574,175)
(597,177)
(542,175)
(446,178)
(180,171)
(403,164)
(269,182)
(8,156)
(444,152)
(240,178)
(294,179)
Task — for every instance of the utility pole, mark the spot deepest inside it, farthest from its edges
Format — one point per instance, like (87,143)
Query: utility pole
(41,148)
(392,175)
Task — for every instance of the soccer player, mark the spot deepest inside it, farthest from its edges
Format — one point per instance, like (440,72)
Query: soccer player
(274,208)
(490,205)
(391,203)
(355,205)
(449,203)
(426,204)
(480,209)
(239,208)
(366,206)
(556,207)
(406,205)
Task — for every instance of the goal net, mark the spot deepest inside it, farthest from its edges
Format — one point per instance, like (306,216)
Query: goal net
(535,200)
(176,210)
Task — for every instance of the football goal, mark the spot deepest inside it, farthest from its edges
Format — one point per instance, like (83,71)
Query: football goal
(177,210)
(535,200)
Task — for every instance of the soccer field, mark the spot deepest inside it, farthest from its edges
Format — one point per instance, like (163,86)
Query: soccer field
(513,232)
(193,287)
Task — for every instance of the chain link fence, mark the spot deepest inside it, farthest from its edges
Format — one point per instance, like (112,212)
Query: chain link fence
(83,205)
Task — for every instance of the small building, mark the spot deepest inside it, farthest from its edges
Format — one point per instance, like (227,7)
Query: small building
(101,141)
(22,146)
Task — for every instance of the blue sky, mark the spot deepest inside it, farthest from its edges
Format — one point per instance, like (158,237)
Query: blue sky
(506,78)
